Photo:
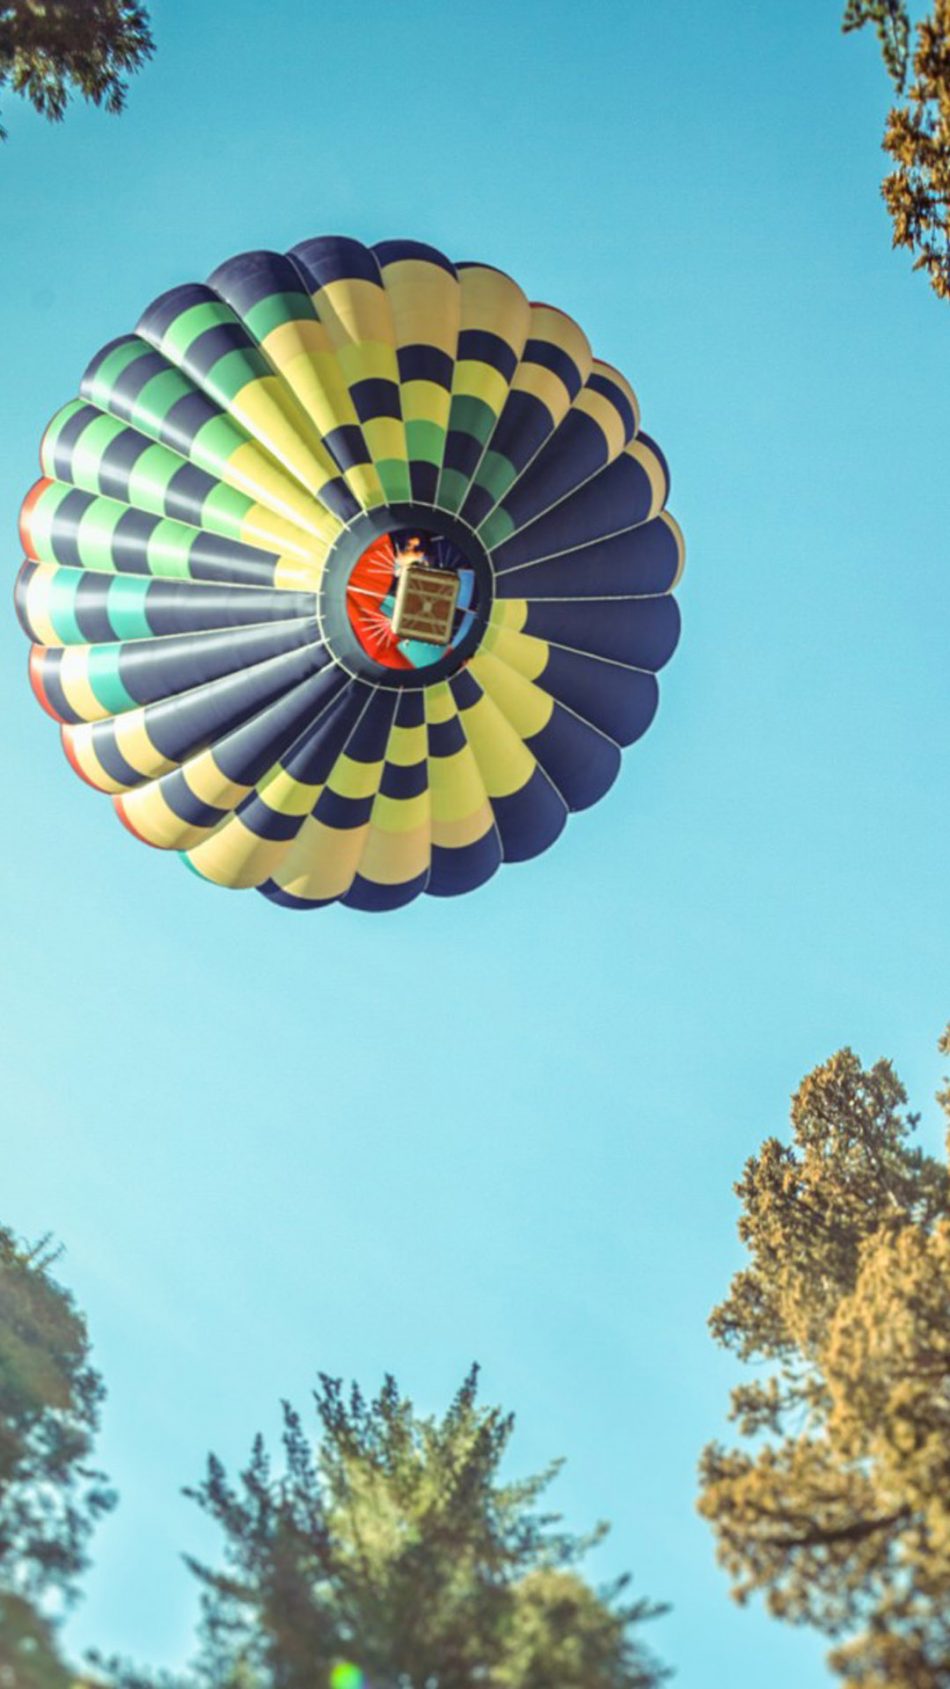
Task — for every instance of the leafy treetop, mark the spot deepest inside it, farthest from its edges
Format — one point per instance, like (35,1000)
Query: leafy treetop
(892,24)
(917,135)
(50,1398)
(50,48)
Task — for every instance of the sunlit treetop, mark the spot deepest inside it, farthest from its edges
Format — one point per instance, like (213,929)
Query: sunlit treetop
(890,20)
(917,136)
(840,1512)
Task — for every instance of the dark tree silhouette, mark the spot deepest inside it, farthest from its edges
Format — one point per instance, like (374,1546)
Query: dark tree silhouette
(50,49)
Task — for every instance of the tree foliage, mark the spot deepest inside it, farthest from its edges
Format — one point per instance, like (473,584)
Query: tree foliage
(838,1508)
(917,192)
(29,1658)
(394,1545)
(892,24)
(50,1398)
(917,135)
(51,48)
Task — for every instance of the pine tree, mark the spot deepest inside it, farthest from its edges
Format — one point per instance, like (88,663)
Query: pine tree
(838,1508)
(394,1546)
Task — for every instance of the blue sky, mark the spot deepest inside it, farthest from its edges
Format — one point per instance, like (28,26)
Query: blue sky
(256,1164)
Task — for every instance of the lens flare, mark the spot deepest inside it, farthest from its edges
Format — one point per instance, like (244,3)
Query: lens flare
(346,1676)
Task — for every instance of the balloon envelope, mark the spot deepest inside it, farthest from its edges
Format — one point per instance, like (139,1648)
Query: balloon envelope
(349,574)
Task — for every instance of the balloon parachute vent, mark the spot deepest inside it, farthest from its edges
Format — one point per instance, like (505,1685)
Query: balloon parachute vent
(349,574)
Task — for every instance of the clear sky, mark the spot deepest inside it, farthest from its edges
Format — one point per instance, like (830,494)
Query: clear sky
(504,1127)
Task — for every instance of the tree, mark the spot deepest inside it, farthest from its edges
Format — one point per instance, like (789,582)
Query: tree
(917,135)
(395,1548)
(50,1497)
(917,193)
(50,48)
(29,1658)
(840,1509)
(49,1412)
(892,25)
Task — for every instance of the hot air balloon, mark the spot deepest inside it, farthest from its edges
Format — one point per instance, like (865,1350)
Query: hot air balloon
(349,574)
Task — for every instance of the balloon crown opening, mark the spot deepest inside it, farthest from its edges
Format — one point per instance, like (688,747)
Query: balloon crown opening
(412,596)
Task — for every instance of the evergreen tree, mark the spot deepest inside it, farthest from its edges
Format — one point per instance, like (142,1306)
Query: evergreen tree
(839,1511)
(394,1547)
(51,48)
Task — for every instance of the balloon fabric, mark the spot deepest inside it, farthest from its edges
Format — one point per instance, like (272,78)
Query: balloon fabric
(349,574)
